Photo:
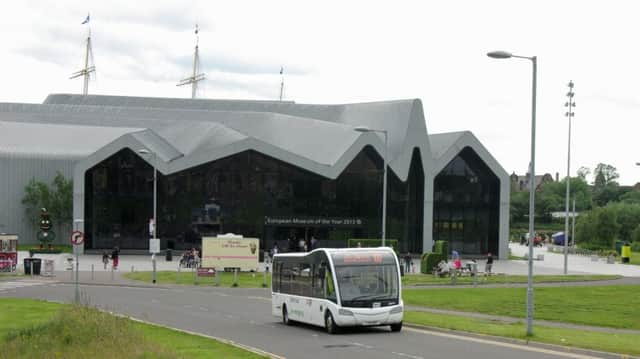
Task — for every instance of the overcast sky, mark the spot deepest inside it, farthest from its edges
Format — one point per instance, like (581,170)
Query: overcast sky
(358,51)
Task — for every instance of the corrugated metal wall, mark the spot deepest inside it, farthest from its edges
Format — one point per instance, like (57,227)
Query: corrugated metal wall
(16,170)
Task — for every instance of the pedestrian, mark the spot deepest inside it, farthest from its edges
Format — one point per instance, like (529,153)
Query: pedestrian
(105,259)
(314,243)
(115,254)
(487,267)
(407,262)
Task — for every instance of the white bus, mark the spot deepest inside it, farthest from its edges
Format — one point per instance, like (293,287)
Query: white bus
(335,288)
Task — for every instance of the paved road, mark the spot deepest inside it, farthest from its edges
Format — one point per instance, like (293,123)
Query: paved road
(243,315)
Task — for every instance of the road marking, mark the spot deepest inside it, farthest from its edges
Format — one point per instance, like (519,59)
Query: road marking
(9,285)
(407,355)
(222,340)
(362,345)
(259,298)
(203,309)
(501,344)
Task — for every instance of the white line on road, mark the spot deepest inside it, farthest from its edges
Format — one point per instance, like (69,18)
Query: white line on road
(407,355)
(362,345)
(502,344)
(204,309)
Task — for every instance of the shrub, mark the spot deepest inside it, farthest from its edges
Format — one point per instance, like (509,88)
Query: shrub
(429,261)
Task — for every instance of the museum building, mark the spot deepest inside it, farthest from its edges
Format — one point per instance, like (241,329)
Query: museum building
(273,170)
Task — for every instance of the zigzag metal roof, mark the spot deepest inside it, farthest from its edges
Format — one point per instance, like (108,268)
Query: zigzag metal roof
(320,138)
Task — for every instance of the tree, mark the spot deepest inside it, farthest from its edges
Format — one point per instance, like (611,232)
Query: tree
(519,206)
(58,199)
(604,175)
(583,172)
(631,197)
(36,196)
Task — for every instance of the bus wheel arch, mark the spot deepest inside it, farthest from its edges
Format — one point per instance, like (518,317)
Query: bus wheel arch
(330,323)
(285,315)
(396,327)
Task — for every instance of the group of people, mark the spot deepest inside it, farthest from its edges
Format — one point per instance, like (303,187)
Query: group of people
(190,258)
(301,245)
(115,256)
(444,268)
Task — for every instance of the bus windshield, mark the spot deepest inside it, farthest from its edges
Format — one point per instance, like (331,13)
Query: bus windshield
(362,283)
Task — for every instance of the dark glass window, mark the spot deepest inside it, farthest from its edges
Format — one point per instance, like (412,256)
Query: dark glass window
(466,205)
(236,193)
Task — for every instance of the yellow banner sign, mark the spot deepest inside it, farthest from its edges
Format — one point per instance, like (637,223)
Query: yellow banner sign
(230,252)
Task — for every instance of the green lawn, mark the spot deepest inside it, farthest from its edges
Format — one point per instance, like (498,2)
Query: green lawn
(245,279)
(617,343)
(429,279)
(608,306)
(38,329)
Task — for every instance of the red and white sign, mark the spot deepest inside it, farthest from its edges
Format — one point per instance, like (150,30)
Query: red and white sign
(77,237)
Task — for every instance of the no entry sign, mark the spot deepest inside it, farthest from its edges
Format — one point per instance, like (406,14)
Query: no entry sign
(77,237)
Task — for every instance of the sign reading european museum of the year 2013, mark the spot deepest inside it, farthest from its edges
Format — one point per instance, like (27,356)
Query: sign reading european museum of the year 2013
(313,221)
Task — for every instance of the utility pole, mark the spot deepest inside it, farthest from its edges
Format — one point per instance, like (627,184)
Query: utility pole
(569,114)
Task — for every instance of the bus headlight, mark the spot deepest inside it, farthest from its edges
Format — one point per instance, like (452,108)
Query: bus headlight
(396,310)
(345,312)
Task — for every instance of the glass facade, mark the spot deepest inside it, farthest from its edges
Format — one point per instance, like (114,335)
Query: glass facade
(238,193)
(466,205)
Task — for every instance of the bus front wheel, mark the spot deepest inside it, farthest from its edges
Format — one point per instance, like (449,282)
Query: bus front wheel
(285,316)
(330,324)
(396,327)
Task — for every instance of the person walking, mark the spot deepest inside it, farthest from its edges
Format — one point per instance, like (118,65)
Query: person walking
(487,267)
(115,254)
(407,262)
(105,259)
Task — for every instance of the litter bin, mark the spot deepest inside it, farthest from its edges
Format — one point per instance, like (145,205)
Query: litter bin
(626,253)
(169,255)
(36,264)
(27,265)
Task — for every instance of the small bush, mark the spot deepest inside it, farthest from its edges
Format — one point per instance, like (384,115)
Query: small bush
(429,261)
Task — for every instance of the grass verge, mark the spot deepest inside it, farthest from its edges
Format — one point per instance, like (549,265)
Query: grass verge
(609,342)
(429,279)
(607,306)
(37,329)
(245,279)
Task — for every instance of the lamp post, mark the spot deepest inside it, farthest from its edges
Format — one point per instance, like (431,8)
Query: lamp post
(145,151)
(569,104)
(384,179)
(534,61)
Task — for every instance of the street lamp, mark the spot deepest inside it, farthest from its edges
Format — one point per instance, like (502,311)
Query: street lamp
(384,179)
(154,229)
(569,104)
(534,61)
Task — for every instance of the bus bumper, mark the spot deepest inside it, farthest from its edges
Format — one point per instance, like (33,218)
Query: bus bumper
(356,317)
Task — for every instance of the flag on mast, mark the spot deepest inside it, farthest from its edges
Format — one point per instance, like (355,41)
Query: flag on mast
(86,21)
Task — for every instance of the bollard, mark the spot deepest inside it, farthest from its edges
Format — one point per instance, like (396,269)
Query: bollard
(475,275)
(131,269)
(111,272)
(153,263)
(193,271)
(264,280)
(178,275)
(454,276)
(92,272)
(235,277)
(218,274)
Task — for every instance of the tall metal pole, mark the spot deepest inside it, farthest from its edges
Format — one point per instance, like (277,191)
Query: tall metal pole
(85,87)
(569,114)
(573,222)
(532,197)
(155,218)
(384,191)
(532,176)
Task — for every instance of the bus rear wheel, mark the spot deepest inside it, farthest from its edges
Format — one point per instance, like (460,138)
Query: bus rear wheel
(330,324)
(285,316)
(396,327)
